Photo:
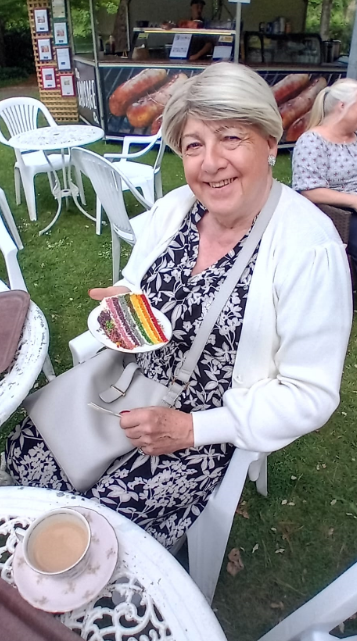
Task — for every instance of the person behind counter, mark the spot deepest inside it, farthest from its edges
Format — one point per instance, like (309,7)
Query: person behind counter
(325,156)
(268,373)
(201,45)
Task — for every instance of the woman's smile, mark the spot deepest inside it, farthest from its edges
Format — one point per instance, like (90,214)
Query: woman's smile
(221,183)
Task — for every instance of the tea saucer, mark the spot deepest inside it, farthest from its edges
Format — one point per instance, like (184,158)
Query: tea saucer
(56,594)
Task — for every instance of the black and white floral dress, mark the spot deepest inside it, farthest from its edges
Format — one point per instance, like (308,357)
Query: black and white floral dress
(164,494)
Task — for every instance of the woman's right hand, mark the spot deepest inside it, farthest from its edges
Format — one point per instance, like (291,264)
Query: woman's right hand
(98,293)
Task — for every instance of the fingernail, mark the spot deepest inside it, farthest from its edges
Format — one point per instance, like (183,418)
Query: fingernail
(89,291)
(124,412)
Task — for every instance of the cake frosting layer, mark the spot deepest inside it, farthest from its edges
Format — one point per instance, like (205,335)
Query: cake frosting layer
(129,321)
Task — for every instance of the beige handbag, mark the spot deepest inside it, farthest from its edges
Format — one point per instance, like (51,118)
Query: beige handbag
(85,442)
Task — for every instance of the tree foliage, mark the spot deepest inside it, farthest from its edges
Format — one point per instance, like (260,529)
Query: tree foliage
(13,14)
(341,20)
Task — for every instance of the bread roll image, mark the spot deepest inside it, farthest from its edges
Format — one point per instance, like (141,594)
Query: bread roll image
(146,110)
(131,90)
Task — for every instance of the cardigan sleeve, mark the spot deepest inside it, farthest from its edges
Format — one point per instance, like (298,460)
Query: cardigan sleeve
(313,322)
(309,163)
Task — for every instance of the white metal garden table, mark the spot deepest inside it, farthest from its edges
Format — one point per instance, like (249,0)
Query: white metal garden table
(61,137)
(157,598)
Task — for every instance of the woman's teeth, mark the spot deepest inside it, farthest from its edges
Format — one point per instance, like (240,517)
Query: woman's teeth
(221,183)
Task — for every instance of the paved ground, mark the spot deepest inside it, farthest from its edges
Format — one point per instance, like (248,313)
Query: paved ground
(27,87)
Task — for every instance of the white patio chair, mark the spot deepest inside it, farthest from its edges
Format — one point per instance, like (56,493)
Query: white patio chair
(107,184)
(5,211)
(21,115)
(208,537)
(142,176)
(324,612)
(16,281)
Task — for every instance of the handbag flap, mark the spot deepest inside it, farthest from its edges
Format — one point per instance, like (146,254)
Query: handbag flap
(14,305)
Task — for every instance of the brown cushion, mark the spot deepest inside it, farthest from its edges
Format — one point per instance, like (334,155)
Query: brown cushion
(22,622)
(13,310)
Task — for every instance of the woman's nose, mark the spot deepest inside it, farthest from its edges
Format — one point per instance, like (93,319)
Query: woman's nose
(212,158)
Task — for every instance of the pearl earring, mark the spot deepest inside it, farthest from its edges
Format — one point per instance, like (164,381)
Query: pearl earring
(271,160)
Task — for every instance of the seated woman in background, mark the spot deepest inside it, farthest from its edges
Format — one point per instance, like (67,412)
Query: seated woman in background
(267,374)
(325,156)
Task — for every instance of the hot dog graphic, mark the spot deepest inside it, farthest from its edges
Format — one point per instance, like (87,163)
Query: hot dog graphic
(297,107)
(133,89)
(143,112)
(290,86)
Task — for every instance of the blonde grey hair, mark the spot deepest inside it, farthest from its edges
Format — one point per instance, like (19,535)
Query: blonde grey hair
(343,90)
(223,91)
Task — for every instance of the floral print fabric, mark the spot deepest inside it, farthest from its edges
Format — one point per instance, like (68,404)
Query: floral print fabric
(164,494)
(319,163)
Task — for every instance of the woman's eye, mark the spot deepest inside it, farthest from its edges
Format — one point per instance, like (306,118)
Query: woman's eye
(192,148)
(231,139)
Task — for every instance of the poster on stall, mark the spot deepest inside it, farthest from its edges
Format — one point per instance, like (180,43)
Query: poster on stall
(128,111)
(86,86)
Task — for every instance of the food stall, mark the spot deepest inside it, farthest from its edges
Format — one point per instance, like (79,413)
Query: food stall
(129,61)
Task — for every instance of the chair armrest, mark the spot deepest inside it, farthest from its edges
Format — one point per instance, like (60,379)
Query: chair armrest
(84,347)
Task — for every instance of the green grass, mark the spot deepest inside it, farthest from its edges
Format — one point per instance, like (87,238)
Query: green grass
(299,538)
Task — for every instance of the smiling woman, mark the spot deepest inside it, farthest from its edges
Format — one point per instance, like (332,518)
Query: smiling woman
(267,373)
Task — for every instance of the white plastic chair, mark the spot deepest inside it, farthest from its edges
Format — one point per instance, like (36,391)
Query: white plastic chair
(142,176)
(316,618)
(7,215)
(107,183)
(21,115)
(208,537)
(16,281)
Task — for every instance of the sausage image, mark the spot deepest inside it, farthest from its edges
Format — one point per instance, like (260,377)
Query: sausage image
(131,90)
(156,125)
(290,86)
(146,110)
(297,128)
(296,107)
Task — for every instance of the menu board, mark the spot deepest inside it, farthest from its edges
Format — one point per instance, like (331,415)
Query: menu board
(180,45)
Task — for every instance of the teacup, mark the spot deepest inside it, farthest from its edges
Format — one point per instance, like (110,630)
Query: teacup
(57,543)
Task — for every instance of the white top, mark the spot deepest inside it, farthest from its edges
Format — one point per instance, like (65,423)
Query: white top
(150,580)
(27,364)
(288,368)
(59,137)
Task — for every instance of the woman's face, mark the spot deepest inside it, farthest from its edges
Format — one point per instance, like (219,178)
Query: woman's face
(346,114)
(226,166)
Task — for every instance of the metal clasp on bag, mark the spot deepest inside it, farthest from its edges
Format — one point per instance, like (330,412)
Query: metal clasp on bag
(118,390)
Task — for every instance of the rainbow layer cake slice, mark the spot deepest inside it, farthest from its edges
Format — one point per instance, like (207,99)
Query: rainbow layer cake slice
(129,322)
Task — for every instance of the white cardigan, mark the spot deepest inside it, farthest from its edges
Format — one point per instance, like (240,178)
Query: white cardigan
(297,321)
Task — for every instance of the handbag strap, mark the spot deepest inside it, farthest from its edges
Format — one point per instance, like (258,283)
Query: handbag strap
(184,374)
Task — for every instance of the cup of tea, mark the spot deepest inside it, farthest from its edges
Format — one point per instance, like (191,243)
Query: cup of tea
(57,543)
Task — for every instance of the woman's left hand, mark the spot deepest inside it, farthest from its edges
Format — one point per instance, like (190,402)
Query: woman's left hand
(158,430)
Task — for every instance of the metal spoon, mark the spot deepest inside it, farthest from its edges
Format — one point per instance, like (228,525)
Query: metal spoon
(103,409)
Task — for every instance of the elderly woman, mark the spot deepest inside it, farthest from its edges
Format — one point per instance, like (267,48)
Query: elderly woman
(325,156)
(268,373)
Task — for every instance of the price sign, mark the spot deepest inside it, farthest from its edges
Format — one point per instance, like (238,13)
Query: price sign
(180,45)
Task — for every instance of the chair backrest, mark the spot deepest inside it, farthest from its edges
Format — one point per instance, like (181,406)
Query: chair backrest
(147,141)
(106,182)
(326,610)
(5,212)
(9,251)
(21,115)
(340,218)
